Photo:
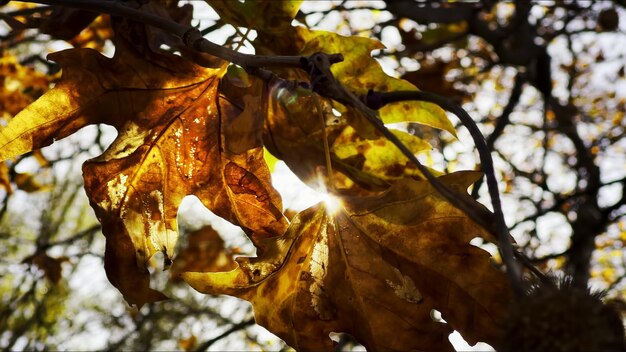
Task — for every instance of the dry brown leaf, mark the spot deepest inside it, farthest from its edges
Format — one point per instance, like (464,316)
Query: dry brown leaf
(173,140)
(50,266)
(375,269)
(362,160)
(150,39)
(265,16)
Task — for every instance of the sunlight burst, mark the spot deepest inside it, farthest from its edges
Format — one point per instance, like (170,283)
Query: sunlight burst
(332,203)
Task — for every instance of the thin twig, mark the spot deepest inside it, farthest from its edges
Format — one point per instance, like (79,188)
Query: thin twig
(236,327)
(191,36)
(528,263)
(503,120)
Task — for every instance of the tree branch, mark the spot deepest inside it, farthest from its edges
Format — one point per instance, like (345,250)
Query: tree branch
(499,229)
(324,83)
(192,37)
(236,327)
(429,14)
(503,120)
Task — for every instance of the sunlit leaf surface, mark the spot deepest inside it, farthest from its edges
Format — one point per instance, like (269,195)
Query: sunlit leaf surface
(177,136)
(375,268)
(361,72)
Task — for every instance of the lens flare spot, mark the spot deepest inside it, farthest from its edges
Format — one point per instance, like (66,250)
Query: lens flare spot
(332,203)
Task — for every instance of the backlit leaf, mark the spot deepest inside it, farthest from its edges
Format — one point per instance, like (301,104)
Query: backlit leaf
(293,130)
(294,133)
(177,136)
(361,72)
(380,157)
(19,85)
(375,269)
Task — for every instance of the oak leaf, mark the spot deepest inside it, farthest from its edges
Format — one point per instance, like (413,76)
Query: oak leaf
(175,138)
(294,128)
(375,269)
(148,39)
(294,131)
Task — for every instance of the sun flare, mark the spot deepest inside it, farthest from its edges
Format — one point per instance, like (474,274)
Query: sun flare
(332,203)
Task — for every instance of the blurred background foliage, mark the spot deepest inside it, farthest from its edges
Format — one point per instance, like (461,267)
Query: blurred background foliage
(544,81)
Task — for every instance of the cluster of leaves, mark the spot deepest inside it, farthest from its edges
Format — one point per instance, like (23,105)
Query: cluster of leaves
(193,124)
(548,76)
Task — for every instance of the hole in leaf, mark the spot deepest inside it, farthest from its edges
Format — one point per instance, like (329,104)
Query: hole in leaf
(480,242)
(335,336)
(345,342)
(435,316)
(476,241)
(193,215)
(460,344)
